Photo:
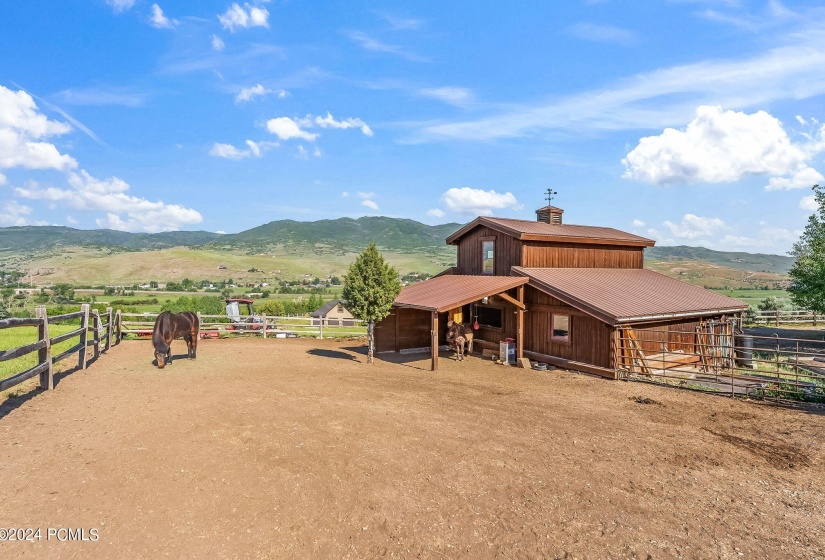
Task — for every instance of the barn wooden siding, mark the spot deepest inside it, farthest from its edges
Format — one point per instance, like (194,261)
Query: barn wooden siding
(538,254)
(590,339)
(510,252)
(407,328)
(507,252)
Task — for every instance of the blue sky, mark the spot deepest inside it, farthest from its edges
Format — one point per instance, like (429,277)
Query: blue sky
(692,122)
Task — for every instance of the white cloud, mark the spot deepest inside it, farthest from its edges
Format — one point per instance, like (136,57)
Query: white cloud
(366,195)
(71,221)
(237,17)
(13,214)
(435,212)
(403,24)
(22,126)
(371,44)
(809,203)
(228,151)
(217,43)
(458,96)
(638,223)
(722,146)
(467,200)
(247,94)
(790,69)
(330,122)
(804,178)
(159,20)
(370,204)
(120,5)
(99,97)
(602,34)
(345,194)
(695,227)
(123,211)
(286,128)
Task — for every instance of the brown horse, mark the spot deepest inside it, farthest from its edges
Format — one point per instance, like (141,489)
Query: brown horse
(168,327)
(458,335)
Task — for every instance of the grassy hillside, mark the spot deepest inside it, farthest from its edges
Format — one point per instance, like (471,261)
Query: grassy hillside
(343,234)
(755,262)
(288,249)
(36,238)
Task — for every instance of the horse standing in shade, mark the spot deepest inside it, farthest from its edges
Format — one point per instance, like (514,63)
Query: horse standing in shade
(168,327)
(458,335)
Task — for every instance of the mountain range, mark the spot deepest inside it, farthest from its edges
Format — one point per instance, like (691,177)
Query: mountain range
(305,247)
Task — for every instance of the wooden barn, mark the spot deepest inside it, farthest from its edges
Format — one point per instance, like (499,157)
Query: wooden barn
(568,295)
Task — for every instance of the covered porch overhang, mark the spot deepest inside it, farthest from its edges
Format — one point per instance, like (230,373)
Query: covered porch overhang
(449,292)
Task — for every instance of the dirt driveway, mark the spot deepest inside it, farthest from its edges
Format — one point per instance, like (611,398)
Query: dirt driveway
(298,449)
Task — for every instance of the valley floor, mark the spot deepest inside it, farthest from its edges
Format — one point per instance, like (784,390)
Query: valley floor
(297,448)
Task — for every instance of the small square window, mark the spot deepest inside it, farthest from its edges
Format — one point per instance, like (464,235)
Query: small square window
(560,328)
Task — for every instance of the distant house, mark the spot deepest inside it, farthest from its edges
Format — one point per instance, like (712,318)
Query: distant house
(333,314)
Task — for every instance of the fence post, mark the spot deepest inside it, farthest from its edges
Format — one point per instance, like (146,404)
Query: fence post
(108,329)
(119,326)
(84,336)
(263,316)
(321,328)
(96,329)
(44,355)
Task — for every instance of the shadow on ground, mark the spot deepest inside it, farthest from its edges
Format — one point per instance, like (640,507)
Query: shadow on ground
(325,353)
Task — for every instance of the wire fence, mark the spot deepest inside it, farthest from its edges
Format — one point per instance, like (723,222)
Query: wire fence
(719,358)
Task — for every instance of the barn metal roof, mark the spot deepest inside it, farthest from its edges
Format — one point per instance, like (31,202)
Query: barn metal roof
(616,295)
(448,292)
(527,230)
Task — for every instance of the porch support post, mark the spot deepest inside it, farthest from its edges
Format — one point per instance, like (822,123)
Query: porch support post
(520,325)
(434,333)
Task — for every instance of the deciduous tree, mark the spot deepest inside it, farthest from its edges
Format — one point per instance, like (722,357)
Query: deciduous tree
(808,272)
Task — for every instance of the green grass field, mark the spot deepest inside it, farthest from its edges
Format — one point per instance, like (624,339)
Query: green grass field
(19,336)
(753,297)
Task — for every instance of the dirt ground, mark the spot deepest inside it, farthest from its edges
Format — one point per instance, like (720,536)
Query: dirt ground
(299,449)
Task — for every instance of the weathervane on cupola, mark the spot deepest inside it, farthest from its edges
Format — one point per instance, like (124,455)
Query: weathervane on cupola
(549,214)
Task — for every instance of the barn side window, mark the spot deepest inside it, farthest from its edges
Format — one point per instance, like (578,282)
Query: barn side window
(489,316)
(560,328)
(487,256)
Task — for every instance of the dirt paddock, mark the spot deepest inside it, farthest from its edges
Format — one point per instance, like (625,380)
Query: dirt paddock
(299,449)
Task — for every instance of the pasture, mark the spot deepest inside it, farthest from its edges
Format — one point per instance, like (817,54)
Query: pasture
(298,448)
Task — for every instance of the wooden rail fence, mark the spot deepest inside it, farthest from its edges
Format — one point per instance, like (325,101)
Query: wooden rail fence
(141,324)
(105,332)
(782,317)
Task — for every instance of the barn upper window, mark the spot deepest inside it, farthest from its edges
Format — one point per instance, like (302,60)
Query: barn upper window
(340,308)
(560,328)
(487,256)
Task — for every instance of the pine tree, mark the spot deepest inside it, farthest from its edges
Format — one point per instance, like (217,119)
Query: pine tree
(370,287)
(808,272)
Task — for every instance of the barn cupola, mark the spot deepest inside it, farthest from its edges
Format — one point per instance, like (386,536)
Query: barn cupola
(549,215)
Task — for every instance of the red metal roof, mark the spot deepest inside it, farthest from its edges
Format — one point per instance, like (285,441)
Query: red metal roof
(617,295)
(527,230)
(450,291)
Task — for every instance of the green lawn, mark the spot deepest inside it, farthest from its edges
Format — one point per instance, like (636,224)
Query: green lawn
(753,297)
(19,336)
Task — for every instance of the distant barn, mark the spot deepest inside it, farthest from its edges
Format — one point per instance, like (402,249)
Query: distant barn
(333,314)
(564,293)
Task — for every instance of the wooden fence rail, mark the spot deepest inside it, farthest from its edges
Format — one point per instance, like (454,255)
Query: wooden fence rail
(90,320)
(267,326)
(782,317)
